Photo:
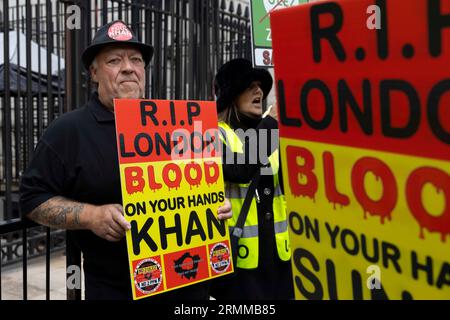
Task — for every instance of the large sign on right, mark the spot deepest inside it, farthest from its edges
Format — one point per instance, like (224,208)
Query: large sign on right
(364,103)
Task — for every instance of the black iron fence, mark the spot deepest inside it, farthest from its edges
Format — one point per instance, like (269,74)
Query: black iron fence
(41,77)
(191,39)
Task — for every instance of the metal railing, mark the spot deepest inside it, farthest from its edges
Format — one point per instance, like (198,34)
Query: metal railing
(192,38)
(29,240)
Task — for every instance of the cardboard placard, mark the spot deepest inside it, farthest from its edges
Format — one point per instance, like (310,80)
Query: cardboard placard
(172,186)
(363,90)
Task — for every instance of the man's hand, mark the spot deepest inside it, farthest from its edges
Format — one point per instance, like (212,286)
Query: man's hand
(105,221)
(225,212)
(108,222)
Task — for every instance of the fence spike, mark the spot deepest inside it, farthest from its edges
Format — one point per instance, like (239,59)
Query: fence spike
(231,8)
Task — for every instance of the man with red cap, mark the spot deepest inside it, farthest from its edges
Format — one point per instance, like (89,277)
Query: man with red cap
(73,180)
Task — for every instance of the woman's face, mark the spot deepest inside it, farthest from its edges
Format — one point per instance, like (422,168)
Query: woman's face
(249,102)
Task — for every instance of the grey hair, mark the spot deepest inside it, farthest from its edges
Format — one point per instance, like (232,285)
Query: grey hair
(94,64)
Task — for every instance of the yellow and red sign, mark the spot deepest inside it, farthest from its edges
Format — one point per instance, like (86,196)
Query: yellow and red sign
(172,186)
(364,103)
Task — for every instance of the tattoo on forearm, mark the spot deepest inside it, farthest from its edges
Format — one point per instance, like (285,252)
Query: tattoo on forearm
(58,212)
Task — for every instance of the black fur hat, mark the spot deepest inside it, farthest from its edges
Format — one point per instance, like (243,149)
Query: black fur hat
(234,77)
(111,33)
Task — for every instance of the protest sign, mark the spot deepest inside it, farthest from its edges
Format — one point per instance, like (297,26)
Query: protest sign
(172,186)
(260,11)
(364,103)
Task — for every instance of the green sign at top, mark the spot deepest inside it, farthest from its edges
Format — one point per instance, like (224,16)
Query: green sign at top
(261,33)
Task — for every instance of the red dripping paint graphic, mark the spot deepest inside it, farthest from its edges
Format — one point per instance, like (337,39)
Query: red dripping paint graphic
(297,171)
(134,182)
(414,186)
(172,184)
(333,195)
(214,177)
(197,178)
(386,204)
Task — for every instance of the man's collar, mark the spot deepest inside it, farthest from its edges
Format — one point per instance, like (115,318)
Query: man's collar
(100,112)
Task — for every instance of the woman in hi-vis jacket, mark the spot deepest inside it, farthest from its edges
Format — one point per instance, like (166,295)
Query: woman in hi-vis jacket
(250,149)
